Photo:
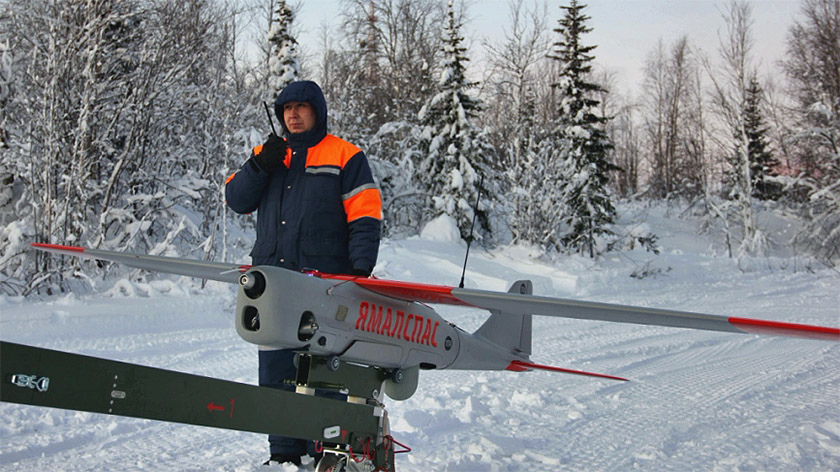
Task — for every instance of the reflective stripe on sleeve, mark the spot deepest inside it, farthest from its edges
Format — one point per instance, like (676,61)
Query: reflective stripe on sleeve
(362,202)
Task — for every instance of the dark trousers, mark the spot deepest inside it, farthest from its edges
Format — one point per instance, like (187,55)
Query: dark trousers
(275,368)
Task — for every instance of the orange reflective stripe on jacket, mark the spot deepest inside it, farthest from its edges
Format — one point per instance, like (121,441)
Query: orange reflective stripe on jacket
(363,203)
(335,153)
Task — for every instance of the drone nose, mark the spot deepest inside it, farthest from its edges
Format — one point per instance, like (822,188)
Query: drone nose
(253,284)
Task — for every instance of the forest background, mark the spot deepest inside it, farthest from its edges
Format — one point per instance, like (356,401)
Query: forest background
(120,119)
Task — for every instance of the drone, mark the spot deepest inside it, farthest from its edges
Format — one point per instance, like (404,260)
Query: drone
(364,337)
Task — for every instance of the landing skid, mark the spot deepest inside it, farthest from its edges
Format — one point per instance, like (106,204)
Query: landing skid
(363,385)
(332,462)
(345,459)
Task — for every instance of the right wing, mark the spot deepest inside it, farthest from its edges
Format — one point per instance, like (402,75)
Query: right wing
(514,303)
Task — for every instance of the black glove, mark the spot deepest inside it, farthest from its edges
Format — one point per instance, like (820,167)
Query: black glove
(272,155)
(360,272)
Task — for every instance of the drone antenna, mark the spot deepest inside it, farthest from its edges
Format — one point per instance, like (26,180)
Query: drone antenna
(472,230)
(270,121)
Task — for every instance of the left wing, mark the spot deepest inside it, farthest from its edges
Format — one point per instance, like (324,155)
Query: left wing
(585,310)
(171,265)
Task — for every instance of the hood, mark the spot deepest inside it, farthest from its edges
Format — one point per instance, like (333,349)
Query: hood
(303,91)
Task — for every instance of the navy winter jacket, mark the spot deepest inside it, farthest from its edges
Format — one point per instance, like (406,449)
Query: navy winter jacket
(322,209)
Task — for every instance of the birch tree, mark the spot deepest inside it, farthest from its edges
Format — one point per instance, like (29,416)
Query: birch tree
(113,137)
(670,107)
(730,83)
(512,114)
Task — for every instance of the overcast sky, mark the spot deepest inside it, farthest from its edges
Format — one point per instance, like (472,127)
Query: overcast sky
(625,31)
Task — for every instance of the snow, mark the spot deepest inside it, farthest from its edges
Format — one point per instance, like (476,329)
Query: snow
(443,228)
(696,400)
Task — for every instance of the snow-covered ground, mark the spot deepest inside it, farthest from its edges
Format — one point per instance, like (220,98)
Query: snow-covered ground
(696,401)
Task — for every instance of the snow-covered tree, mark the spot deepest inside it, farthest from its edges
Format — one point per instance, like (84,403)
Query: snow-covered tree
(526,174)
(582,165)
(397,43)
(283,67)
(730,83)
(454,150)
(70,69)
(113,131)
(812,66)
(763,165)
(6,84)
(359,91)
(627,155)
(371,103)
(673,122)
(513,117)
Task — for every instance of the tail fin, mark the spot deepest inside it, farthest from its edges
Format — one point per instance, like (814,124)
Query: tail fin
(510,330)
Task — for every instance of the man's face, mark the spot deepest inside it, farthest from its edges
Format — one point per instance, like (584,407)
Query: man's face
(299,117)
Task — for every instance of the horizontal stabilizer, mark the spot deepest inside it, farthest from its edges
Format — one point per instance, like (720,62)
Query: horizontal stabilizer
(171,265)
(521,366)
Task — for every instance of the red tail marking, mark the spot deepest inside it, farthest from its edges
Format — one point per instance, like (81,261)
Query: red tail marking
(778,328)
(521,366)
(59,247)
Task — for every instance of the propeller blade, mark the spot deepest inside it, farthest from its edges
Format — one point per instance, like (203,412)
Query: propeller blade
(171,265)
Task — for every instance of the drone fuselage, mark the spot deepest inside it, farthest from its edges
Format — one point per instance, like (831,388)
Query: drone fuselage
(283,309)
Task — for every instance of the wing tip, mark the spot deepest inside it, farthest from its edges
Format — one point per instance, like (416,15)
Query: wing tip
(57,247)
(778,328)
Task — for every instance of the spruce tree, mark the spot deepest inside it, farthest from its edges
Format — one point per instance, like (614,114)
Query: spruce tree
(762,162)
(454,150)
(283,67)
(582,166)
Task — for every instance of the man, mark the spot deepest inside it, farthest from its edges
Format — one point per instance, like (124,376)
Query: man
(317,208)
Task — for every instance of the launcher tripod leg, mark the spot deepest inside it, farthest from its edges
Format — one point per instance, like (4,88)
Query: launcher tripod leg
(363,386)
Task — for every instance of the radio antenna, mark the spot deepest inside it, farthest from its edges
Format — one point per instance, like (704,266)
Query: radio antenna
(270,121)
(472,230)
